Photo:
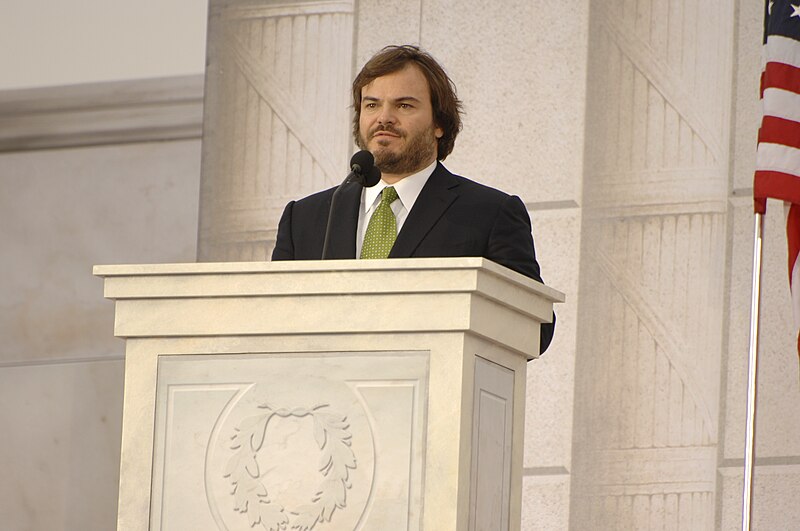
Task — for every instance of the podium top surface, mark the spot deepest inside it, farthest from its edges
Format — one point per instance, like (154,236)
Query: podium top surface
(304,298)
(417,267)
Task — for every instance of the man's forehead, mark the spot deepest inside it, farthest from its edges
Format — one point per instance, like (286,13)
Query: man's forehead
(408,77)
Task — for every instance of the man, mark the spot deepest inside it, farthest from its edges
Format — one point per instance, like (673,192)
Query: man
(407,115)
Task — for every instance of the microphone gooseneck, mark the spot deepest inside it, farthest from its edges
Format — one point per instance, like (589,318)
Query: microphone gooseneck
(362,171)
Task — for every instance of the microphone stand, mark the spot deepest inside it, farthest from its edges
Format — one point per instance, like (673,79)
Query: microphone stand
(362,172)
(350,178)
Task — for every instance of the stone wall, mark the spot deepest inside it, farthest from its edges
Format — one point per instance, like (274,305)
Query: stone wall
(628,129)
(94,174)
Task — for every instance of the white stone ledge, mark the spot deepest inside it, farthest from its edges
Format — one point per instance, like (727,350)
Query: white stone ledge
(59,361)
(119,112)
(774,464)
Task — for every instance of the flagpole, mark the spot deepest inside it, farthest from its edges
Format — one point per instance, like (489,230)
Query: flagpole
(752,370)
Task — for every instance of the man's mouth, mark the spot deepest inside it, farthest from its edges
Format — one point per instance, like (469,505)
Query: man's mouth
(386,133)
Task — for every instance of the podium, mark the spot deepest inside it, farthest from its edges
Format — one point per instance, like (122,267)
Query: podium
(336,395)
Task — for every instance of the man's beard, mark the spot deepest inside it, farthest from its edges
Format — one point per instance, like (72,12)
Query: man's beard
(419,151)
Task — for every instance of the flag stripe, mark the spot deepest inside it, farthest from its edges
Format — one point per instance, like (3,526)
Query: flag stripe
(780,158)
(779,131)
(780,76)
(782,103)
(778,185)
(782,49)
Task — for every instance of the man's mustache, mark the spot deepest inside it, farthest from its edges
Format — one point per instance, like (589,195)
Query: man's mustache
(386,128)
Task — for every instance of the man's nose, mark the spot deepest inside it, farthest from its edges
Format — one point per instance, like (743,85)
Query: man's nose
(386,116)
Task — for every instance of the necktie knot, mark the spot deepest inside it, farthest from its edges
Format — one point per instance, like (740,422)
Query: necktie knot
(388,195)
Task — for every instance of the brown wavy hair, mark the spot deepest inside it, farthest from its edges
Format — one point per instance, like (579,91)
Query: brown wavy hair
(447,108)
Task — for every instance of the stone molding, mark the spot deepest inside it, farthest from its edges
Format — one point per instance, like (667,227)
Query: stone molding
(91,114)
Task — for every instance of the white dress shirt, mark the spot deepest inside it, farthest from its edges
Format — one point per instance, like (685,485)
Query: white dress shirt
(407,188)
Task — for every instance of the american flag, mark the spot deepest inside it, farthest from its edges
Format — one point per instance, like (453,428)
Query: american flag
(778,159)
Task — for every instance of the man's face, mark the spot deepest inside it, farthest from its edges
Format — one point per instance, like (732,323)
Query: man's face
(396,122)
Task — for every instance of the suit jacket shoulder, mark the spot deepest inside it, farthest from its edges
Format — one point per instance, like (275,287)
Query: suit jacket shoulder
(456,216)
(301,230)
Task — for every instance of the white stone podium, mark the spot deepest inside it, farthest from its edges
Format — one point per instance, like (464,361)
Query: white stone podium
(338,395)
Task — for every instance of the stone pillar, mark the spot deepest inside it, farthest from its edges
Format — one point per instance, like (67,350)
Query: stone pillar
(276,123)
(653,265)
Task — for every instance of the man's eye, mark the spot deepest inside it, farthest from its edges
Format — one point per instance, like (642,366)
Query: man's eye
(405,106)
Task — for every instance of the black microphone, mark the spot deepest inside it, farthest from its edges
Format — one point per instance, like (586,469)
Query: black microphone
(362,171)
(360,164)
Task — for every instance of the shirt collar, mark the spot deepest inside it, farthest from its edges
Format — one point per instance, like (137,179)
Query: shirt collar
(408,188)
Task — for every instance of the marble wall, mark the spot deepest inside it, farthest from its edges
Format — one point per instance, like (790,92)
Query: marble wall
(653,262)
(628,128)
(64,209)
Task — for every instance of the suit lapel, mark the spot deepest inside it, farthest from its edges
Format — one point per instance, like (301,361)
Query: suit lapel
(435,198)
(342,243)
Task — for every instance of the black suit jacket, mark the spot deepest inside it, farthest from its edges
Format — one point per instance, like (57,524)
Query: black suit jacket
(453,216)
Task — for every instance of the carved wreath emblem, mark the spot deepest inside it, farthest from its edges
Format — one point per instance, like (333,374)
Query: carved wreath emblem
(250,494)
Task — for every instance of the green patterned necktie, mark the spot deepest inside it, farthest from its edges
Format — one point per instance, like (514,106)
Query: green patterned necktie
(382,228)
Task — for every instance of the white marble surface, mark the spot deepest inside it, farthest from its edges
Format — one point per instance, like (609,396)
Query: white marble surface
(75,208)
(59,448)
(385,14)
(773,506)
(548,420)
(778,419)
(545,502)
(520,68)
(492,427)
(470,321)
(349,425)
(60,366)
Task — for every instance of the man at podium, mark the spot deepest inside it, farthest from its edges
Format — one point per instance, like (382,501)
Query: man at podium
(407,114)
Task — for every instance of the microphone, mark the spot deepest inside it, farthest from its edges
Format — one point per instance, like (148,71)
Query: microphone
(362,171)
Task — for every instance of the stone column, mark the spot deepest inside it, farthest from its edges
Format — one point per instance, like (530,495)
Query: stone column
(277,116)
(653,265)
